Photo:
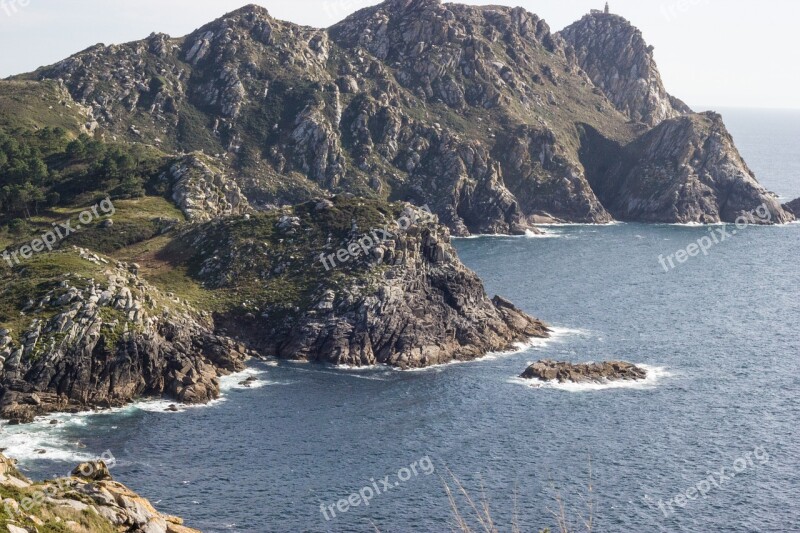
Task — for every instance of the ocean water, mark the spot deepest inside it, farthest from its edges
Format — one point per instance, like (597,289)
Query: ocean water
(719,415)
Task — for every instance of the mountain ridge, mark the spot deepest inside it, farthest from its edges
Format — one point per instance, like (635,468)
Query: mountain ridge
(475,111)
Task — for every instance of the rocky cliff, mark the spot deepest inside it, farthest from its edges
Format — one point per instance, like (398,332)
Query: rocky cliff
(793,207)
(686,169)
(90,333)
(477,112)
(618,60)
(350,282)
(88,501)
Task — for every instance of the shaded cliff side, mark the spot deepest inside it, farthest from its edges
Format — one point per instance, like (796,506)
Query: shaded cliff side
(686,169)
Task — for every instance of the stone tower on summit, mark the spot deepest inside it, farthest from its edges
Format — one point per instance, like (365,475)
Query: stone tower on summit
(608,9)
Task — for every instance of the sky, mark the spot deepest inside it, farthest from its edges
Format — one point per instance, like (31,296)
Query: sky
(711,53)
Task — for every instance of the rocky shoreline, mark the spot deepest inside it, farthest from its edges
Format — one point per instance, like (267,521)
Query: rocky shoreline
(100,336)
(88,501)
(552,371)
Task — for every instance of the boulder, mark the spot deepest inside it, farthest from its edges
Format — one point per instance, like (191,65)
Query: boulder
(92,471)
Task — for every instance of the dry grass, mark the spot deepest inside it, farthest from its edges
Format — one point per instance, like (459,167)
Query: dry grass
(473,516)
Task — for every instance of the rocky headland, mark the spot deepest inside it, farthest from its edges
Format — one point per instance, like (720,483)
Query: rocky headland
(560,372)
(91,333)
(401,297)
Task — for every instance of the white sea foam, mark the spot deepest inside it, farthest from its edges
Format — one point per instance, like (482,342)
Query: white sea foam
(695,224)
(26,441)
(577,224)
(655,374)
(557,335)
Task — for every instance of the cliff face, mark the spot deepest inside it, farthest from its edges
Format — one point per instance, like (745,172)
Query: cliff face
(202,191)
(687,169)
(402,299)
(618,60)
(91,333)
(793,207)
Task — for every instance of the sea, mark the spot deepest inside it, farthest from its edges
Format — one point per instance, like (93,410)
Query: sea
(708,443)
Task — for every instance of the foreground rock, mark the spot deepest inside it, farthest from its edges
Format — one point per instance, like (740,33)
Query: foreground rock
(403,300)
(584,373)
(92,334)
(88,501)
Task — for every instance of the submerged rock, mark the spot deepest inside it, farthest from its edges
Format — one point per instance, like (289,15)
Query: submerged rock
(584,373)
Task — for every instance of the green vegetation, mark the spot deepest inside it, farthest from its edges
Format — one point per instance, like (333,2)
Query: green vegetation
(29,282)
(46,168)
(252,263)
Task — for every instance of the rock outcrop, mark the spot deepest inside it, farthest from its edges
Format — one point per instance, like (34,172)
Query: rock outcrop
(584,373)
(203,191)
(88,501)
(94,334)
(339,281)
(687,169)
(618,60)
(793,207)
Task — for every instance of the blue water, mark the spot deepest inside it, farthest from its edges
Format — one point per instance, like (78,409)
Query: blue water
(720,331)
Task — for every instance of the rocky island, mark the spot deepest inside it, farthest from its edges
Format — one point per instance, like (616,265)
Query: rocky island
(292,192)
(550,371)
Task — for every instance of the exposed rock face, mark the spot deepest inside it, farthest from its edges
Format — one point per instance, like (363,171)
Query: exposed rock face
(584,373)
(204,192)
(80,503)
(106,340)
(406,301)
(687,169)
(618,60)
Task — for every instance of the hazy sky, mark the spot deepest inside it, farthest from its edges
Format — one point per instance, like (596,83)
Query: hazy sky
(711,53)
